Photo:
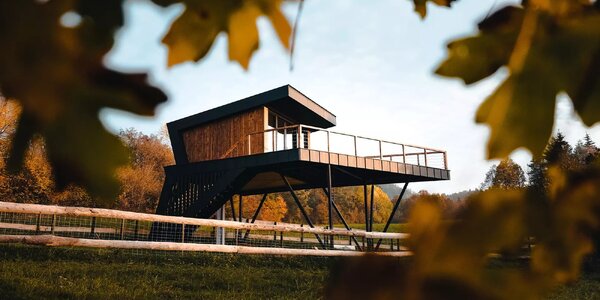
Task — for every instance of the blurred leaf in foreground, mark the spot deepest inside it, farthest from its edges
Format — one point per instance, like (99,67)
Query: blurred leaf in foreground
(192,34)
(549,47)
(421,5)
(51,62)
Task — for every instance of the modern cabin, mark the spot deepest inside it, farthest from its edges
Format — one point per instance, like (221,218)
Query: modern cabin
(279,141)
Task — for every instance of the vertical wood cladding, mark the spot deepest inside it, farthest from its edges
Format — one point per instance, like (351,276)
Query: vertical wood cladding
(212,140)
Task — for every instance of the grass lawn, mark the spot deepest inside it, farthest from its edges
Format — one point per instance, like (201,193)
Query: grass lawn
(29,272)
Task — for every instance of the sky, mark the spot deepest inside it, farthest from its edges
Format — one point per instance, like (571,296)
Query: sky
(371,65)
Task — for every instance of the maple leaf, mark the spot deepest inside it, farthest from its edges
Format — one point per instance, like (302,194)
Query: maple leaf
(548,49)
(192,34)
(421,5)
(57,75)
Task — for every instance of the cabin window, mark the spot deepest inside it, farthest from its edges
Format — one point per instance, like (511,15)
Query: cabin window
(284,138)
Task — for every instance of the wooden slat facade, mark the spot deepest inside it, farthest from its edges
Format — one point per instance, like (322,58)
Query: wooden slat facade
(212,140)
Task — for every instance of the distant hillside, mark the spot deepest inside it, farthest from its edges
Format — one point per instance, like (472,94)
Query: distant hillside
(393,190)
(462,194)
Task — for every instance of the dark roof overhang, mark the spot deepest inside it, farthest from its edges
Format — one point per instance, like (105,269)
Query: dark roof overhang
(285,100)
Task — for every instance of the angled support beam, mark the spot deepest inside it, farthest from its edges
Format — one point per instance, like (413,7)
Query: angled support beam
(348,173)
(232,209)
(396,205)
(339,213)
(304,214)
(260,205)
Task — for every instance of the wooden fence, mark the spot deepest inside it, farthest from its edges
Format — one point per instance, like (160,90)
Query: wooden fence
(22,223)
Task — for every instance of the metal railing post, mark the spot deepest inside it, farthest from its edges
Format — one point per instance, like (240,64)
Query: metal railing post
(249,147)
(355,147)
(445,161)
(284,138)
(425,155)
(298,139)
(403,155)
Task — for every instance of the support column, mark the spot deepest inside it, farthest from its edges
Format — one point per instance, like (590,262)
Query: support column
(220,231)
(372,207)
(366,208)
(339,214)
(240,209)
(330,203)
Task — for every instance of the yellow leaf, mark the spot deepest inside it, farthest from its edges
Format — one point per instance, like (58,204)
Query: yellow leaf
(192,34)
(243,34)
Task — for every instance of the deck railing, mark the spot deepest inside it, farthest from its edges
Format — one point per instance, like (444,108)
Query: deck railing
(309,137)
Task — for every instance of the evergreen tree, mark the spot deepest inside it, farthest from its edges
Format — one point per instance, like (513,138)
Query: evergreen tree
(538,181)
(560,153)
(586,151)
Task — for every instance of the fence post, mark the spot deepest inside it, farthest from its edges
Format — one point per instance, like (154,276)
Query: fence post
(135,233)
(122,229)
(53,224)
(37,223)
(93,229)
(301,234)
(275,232)
(183,233)
(281,239)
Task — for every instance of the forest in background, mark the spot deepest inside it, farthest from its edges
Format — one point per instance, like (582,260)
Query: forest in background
(141,181)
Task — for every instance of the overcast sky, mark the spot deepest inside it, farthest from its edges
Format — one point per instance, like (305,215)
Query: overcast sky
(371,65)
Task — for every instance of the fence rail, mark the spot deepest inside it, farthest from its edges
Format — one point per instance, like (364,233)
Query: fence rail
(106,228)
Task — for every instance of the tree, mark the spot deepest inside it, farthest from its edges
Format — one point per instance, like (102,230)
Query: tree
(586,151)
(274,208)
(538,179)
(142,180)
(506,175)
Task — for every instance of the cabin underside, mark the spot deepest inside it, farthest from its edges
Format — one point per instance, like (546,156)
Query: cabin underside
(200,189)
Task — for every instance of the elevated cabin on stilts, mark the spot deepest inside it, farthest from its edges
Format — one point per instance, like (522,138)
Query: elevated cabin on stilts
(278,141)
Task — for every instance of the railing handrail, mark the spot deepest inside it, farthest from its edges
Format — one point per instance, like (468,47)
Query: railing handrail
(299,127)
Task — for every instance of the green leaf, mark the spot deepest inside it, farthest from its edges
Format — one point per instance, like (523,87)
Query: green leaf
(191,36)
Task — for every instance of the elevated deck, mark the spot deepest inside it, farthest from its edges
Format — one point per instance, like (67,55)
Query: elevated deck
(306,169)
(295,157)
